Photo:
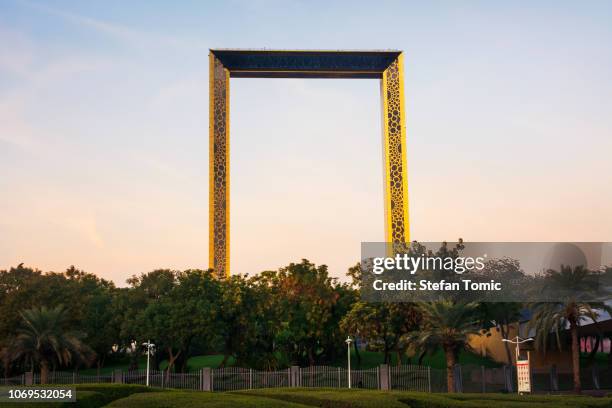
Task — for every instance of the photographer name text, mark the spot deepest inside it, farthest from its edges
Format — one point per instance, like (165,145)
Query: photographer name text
(442,285)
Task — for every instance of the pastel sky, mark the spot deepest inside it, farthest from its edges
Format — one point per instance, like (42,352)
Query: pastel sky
(104,130)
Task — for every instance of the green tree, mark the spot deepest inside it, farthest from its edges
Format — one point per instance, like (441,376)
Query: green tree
(23,288)
(549,318)
(237,323)
(44,339)
(126,306)
(195,304)
(176,316)
(306,296)
(86,298)
(501,315)
(266,317)
(383,324)
(130,305)
(91,310)
(447,325)
(154,284)
(333,342)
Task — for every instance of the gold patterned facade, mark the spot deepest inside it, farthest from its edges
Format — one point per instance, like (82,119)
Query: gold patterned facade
(384,65)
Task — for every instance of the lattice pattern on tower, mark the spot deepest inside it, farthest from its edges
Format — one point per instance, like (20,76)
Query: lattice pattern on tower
(219,171)
(395,181)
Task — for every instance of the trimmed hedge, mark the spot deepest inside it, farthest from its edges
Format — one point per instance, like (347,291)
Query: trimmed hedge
(196,399)
(111,392)
(120,396)
(502,401)
(333,398)
(329,397)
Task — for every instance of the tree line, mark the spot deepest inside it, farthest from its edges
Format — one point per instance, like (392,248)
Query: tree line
(276,318)
(296,315)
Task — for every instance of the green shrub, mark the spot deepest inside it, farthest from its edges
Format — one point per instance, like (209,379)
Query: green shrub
(196,399)
(551,400)
(112,392)
(88,399)
(85,399)
(138,396)
(334,398)
(330,397)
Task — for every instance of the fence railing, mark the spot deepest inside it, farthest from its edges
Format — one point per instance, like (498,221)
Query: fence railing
(468,378)
(412,378)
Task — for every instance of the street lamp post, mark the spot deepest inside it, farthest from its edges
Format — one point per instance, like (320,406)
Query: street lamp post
(348,356)
(518,341)
(149,346)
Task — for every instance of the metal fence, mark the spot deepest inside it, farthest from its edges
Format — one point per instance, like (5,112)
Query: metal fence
(235,378)
(468,378)
(64,377)
(337,377)
(412,378)
(17,380)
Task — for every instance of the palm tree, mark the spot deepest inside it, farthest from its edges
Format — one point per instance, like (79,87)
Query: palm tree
(571,285)
(448,325)
(501,315)
(42,339)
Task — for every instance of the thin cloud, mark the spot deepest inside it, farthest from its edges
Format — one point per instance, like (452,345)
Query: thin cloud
(16,125)
(119,32)
(14,129)
(16,53)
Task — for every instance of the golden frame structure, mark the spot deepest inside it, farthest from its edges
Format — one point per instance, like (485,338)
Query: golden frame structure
(387,66)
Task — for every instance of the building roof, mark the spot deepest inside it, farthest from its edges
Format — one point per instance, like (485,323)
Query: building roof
(265,63)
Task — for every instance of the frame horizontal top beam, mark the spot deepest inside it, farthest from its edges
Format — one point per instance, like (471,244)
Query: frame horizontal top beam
(305,63)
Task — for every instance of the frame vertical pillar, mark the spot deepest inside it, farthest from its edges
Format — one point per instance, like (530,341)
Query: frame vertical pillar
(394,153)
(219,217)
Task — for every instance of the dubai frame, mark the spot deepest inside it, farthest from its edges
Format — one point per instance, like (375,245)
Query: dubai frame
(229,63)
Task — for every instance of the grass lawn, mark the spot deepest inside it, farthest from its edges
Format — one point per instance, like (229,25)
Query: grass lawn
(119,396)
(198,362)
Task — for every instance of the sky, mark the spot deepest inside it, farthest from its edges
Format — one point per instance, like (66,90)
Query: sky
(104,130)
